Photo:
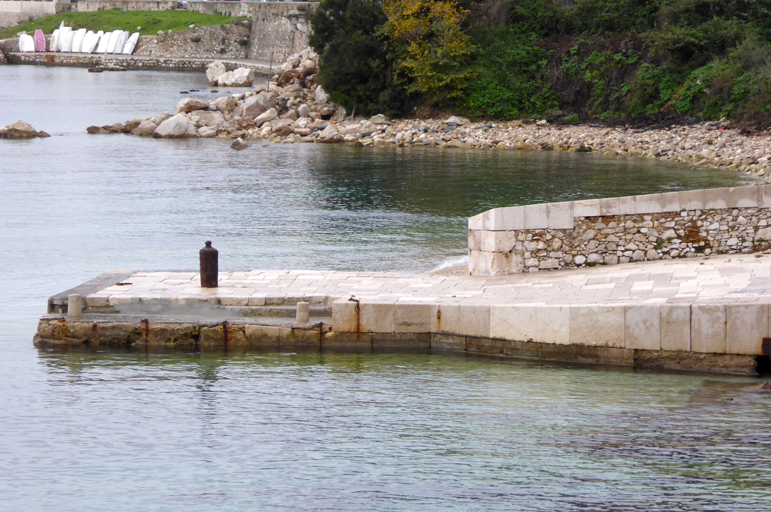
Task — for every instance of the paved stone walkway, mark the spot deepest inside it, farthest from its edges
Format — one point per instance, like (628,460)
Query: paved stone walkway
(742,279)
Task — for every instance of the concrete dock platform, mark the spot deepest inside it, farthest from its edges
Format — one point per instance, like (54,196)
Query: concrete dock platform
(706,313)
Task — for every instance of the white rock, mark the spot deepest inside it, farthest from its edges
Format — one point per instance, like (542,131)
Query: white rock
(189,104)
(256,105)
(330,134)
(303,110)
(207,132)
(321,95)
(225,104)
(268,115)
(580,260)
(176,127)
(215,70)
(241,77)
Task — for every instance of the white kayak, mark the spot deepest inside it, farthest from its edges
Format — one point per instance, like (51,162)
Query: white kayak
(77,40)
(131,43)
(26,43)
(112,42)
(121,42)
(102,48)
(97,41)
(89,42)
(54,41)
(59,35)
(66,35)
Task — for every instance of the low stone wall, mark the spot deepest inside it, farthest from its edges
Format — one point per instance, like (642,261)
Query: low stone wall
(133,62)
(125,5)
(619,230)
(278,29)
(229,41)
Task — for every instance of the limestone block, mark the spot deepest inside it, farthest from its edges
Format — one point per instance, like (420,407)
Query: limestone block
(536,216)
(670,201)
(488,240)
(504,264)
(627,205)
(764,196)
(708,328)
(597,326)
(609,206)
(376,316)
(516,323)
(651,203)
(474,240)
(447,319)
(716,198)
(560,215)
(414,317)
(586,208)
(475,320)
(476,222)
(743,197)
(552,324)
(746,326)
(692,200)
(499,241)
(344,316)
(643,327)
(675,327)
(481,263)
(176,127)
(504,219)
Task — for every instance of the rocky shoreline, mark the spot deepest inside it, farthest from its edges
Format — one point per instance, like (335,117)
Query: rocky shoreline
(292,108)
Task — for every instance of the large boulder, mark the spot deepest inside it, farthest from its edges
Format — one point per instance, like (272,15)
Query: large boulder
(189,104)
(215,70)
(211,119)
(268,115)
(241,77)
(176,127)
(255,105)
(20,130)
(330,135)
(145,128)
(226,104)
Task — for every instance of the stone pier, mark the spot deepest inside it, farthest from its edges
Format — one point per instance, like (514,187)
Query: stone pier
(705,314)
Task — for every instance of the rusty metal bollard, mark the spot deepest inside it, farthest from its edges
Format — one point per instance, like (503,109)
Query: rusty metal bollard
(209,266)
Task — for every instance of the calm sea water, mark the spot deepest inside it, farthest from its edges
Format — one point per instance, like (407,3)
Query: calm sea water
(88,431)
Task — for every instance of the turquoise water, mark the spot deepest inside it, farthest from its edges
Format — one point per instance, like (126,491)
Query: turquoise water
(88,431)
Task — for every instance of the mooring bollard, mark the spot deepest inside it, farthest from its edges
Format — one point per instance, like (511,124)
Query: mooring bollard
(74,306)
(303,313)
(209,266)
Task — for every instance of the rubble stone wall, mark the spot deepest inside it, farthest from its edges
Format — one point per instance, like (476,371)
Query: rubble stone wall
(278,29)
(574,234)
(229,41)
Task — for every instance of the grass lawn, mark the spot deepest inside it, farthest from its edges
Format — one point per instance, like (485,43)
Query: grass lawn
(150,21)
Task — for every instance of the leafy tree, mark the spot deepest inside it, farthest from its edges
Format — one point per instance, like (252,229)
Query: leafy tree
(355,68)
(432,51)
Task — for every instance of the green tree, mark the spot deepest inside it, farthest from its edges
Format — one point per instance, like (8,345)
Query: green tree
(355,68)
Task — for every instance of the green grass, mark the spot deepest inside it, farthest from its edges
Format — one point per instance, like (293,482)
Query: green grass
(150,21)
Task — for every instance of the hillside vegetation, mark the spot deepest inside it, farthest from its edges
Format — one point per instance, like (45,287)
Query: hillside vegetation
(685,60)
(149,21)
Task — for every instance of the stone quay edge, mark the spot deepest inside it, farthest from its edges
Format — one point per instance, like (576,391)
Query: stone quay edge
(709,314)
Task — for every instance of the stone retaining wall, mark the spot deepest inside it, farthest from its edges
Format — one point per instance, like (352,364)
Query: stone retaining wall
(278,29)
(125,5)
(229,41)
(93,60)
(619,230)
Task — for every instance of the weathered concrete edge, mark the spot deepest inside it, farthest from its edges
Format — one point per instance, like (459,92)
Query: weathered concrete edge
(149,336)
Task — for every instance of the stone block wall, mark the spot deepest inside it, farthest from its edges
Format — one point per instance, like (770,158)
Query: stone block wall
(125,5)
(13,12)
(619,230)
(697,328)
(279,29)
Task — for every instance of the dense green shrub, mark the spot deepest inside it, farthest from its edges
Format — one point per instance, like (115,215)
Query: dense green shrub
(355,68)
